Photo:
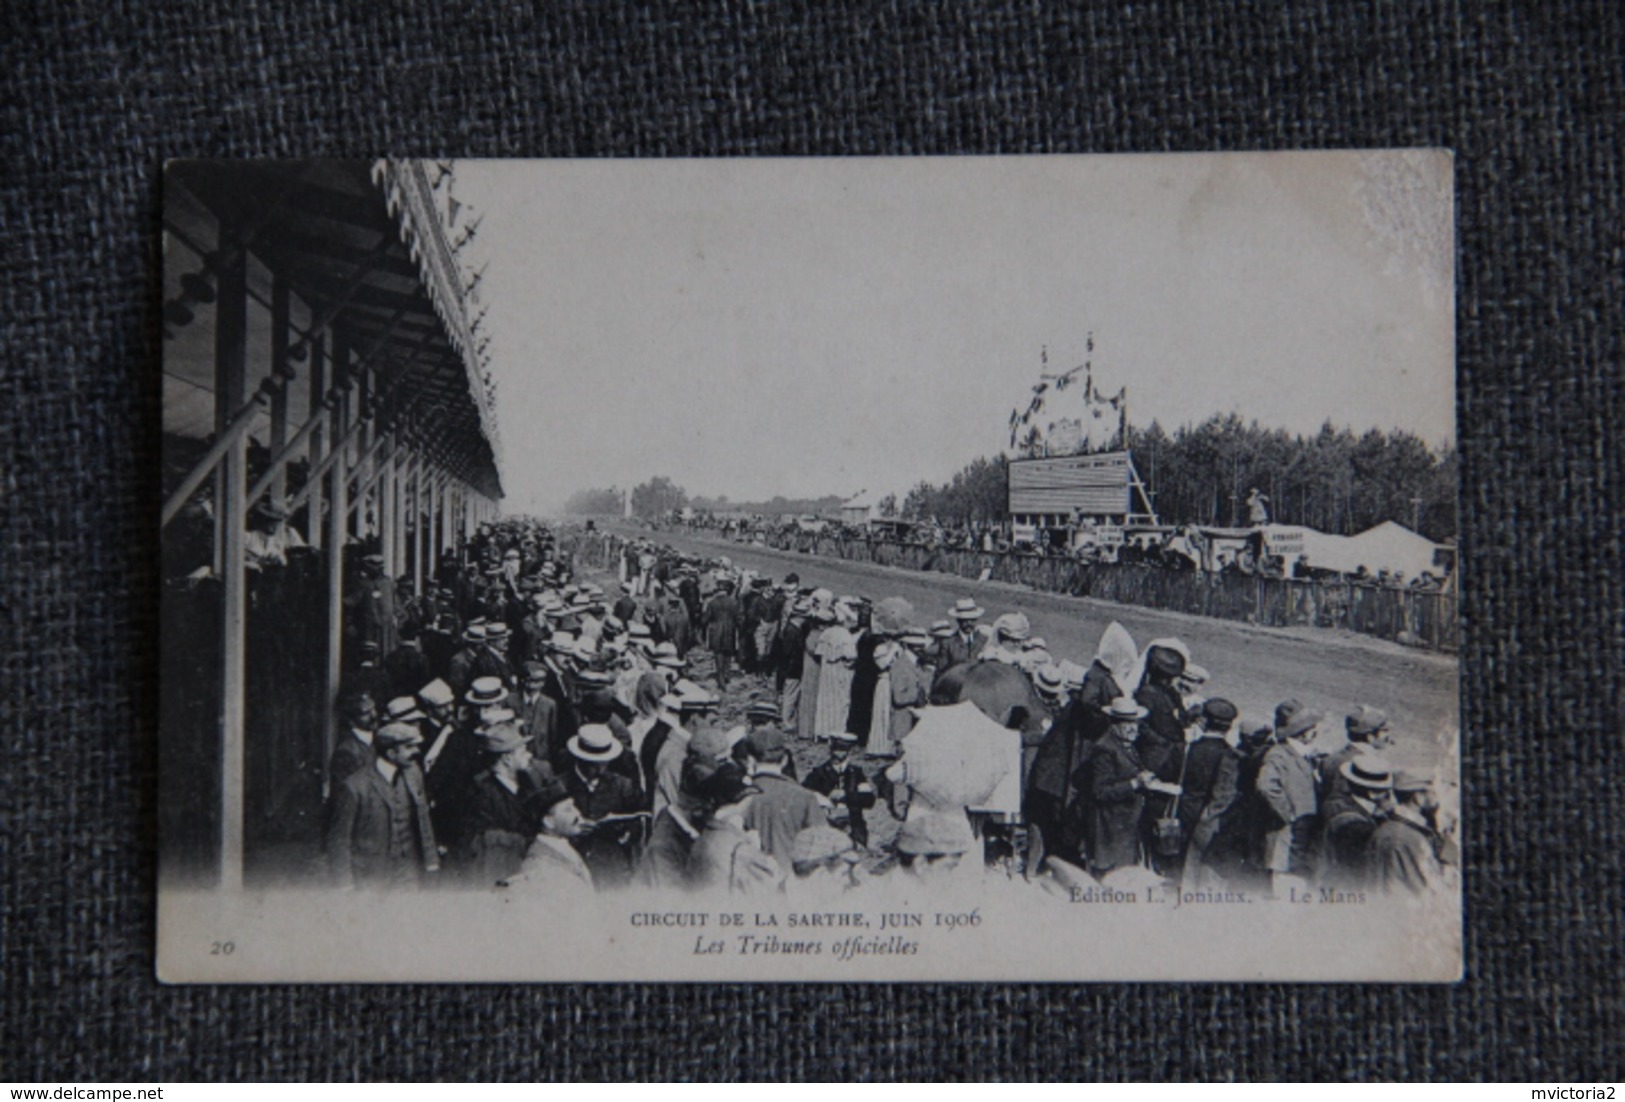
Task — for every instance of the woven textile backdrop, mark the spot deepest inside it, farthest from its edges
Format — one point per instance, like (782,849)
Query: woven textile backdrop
(1528,95)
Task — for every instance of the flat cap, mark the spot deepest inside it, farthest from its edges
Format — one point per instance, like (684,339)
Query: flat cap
(1366,720)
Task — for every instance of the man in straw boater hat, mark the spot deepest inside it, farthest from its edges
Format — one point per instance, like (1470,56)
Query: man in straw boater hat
(1011,631)
(1114,790)
(1351,818)
(491,658)
(967,641)
(561,663)
(1405,856)
(607,799)
(932,656)
(378,834)
(460,671)
(665,656)
(439,706)
(1051,686)
(538,713)
(453,756)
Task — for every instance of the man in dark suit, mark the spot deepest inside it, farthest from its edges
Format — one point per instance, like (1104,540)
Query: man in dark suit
(538,713)
(675,627)
(608,801)
(369,607)
(460,670)
(354,749)
(1162,735)
(845,785)
(785,808)
(559,686)
(1351,819)
(722,621)
(625,608)
(1115,781)
(788,660)
(966,643)
(501,815)
(379,835)
(1405,848)
(491,657)
(688,588)
(1207,771)
(753,610)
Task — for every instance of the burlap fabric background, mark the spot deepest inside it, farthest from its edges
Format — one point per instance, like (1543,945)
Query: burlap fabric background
(1530,97)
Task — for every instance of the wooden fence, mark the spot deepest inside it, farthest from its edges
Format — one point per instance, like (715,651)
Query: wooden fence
(1414,617)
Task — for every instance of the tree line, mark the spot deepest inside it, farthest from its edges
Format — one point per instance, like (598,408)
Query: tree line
(1333,481)
(659,496)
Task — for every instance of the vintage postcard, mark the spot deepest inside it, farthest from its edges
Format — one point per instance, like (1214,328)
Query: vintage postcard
(934,569)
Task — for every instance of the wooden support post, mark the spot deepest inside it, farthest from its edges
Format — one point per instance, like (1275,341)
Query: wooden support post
(387,503)
(363,446)
(230,376)
(318,444)
(421,506)
(279,398)
(437,502)
(447,498)
(338,514)
(397,462)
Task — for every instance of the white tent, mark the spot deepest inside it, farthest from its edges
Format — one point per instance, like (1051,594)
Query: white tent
(860,509)
(1388,546)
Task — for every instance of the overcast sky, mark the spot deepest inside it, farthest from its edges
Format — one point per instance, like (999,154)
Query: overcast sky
(808,327)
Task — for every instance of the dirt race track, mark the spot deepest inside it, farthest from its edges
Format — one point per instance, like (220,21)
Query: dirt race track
(1254,667)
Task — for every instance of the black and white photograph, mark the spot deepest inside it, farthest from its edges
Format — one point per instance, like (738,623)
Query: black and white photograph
(1031,568)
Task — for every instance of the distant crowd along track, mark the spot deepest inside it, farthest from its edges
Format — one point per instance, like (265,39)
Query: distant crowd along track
(1254,667)
(1421,618)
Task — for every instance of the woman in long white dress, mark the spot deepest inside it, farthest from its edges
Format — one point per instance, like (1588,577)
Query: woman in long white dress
(807,713)
(837,656)
(878,742)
